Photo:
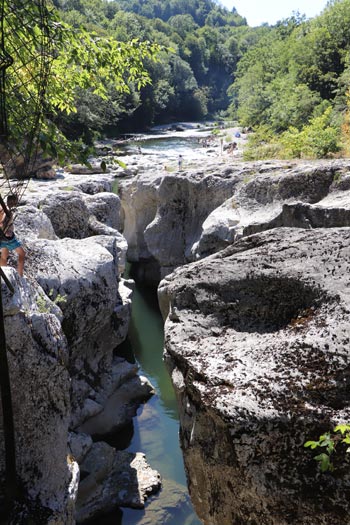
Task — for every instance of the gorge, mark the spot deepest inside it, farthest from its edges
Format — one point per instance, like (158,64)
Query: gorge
(252,262)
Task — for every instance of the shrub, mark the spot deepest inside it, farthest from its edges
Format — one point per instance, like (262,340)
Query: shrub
(316,140)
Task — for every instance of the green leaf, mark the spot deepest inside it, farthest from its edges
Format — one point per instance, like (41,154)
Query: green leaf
(324,461)
(312,444)
(342,428)
(121,163)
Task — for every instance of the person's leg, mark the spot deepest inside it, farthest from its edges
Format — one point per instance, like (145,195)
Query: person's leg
(21,256)
(4,256)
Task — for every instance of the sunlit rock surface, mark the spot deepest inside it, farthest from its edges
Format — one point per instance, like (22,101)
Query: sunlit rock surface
(257,341)
(205,208)
(40,383)
(62,337)
(114,478)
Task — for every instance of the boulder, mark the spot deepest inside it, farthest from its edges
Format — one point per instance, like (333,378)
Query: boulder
(256,341)
(32,223)
(68,214)
(77,216)
(121,407)
(105,207)
(171,506)
(93,186)
(114,478)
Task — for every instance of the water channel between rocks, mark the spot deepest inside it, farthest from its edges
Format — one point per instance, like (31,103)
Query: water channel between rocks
(155,428)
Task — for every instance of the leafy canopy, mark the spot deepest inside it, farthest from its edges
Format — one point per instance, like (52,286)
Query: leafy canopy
(80,60)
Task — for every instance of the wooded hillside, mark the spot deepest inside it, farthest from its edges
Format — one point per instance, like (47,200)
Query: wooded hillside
(288,82)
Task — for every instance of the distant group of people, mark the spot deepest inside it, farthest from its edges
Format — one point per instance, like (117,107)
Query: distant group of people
(207,141)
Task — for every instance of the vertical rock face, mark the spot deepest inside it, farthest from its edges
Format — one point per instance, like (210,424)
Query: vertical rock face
(257,341)
(182,217)
(183,204)
(68,315)
(40,384)
(81,273)
(82,276)
(139,207)
(163,216)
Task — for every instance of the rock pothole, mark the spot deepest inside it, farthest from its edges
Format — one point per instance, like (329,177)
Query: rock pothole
(264,304)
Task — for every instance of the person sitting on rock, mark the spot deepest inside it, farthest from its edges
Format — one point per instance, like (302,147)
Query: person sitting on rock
(8,240)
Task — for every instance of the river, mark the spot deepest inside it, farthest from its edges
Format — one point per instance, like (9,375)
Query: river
(155,429)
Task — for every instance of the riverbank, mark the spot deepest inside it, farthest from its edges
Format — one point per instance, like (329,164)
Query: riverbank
(159,149)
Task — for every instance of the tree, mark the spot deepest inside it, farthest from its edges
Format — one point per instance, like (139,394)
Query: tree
(81,61)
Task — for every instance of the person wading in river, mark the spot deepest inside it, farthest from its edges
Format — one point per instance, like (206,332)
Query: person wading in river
(8,240)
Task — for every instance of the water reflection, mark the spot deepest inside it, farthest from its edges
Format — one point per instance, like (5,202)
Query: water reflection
(146,337)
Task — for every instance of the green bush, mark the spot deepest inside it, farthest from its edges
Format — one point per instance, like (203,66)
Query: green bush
(318,139)
(327,445)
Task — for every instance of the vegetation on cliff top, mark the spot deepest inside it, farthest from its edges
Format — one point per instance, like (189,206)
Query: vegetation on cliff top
(202,45)
(288,82)
(292,87)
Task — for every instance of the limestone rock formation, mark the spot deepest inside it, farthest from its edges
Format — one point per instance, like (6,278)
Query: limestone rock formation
(32,223)
(176,218)
(257,342)
(81,275)
(163,216)
(277,194)
(139,207)
(127,481)
(172,507)
(62,338)
(68,214)
(106,208)
(38,356)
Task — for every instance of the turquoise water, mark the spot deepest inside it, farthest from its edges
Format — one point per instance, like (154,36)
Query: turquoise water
(155,428)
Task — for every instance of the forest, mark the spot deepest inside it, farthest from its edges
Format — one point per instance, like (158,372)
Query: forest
(202,43)
(130,64)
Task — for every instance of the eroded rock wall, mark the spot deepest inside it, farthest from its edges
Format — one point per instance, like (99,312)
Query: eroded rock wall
(62,336)
(257,342)
(40,386)
(172,219)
